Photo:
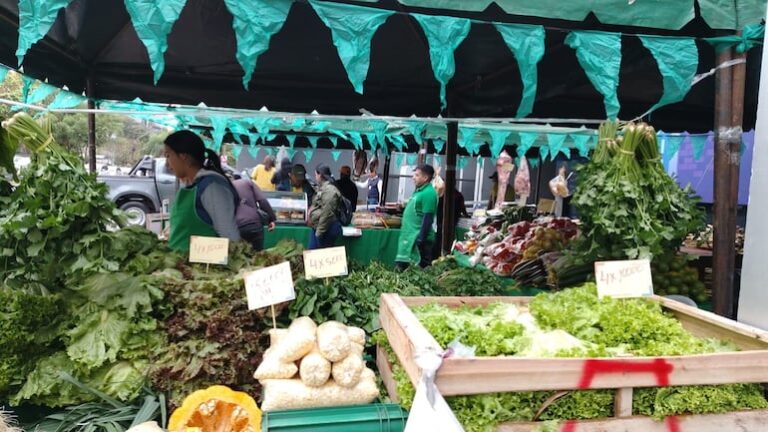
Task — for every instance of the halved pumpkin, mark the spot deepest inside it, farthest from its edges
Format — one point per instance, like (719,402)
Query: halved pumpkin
(217,409)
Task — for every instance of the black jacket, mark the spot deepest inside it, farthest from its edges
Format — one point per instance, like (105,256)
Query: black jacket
(348,190)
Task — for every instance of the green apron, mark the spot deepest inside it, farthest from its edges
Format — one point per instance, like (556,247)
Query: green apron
(185,222)
(424,200)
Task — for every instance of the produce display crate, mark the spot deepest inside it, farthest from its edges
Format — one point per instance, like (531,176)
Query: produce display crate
(358,418)
(478,375)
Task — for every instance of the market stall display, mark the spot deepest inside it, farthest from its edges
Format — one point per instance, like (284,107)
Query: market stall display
(289,207)
(557,350)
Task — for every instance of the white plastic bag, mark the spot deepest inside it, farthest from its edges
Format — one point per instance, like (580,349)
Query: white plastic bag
(346,372)
(299,340)
(356,335)
(314,369)
(429,411)
(272,368)
(293,394)
(333,340)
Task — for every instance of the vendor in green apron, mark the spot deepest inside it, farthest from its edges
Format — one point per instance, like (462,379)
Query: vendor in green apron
(416,234)
(205,205)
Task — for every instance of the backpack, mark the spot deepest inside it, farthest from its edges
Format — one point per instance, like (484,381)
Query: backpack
(345,211)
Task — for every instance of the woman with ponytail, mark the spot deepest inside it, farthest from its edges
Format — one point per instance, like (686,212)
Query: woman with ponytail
(205,205)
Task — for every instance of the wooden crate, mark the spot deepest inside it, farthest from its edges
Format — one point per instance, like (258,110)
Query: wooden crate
(466,376)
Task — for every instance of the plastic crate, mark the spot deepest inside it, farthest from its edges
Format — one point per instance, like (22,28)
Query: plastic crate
(357,418)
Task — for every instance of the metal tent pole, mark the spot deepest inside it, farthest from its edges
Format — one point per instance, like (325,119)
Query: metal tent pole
(449,197)
(89,92)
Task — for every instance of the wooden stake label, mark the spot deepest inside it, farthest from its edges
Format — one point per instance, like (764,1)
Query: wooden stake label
(208,250)
(325,263)
(624,279)
(269,286)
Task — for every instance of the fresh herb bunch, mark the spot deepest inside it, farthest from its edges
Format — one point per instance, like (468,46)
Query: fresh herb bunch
(628,205)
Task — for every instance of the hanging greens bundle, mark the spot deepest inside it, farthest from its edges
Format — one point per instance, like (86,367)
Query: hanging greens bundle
(629,206)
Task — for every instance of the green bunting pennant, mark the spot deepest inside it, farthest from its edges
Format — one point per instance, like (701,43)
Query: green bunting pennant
(153,20)
(35,20)
(444,35)
(335,154)
(527,140)
(319,126)
(308,153)
(462,162)
(466,139)
(236,150)
(417,130)
(238,138)
(291,140)
(437,160)
(40,93)
(313,141)
(527,44)
(3,73)
(219,125)
(498,140)
(581,142)
(66,99)
(373,143)
(439,143)
(334,141)
(698,142)
(298,124)
(544,152)
(399,159)
(270,151)
(291,153)
(533,162)
(357,139)
(674,143)
(352,28)
(556,142)
(412,159)
(398,141)
(253,150)
(254,23)
(677,59)
(599,54)
(379,128)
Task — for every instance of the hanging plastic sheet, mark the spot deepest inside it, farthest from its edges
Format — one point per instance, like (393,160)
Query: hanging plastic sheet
(444,35)
(219,125)
(35,19)
(599,54)
(527,140)
(699,142)
(41,92)
(308,153)
(750,37)
(498,140)
(678,59)
(236,150)
(153,20)
(254,23)
(66,99)
(581,142)
(527,44)
(352,28)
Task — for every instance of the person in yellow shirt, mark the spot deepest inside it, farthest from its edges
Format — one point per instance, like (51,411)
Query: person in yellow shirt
(262,174)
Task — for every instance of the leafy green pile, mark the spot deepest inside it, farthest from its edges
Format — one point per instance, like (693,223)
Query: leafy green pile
(213,339)
(605,326)
(354,300)
(628,205)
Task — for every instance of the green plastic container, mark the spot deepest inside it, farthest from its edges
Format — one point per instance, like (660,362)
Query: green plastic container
(357,418)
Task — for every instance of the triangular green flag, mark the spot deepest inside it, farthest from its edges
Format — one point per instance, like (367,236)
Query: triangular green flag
(308,153)
(599,55)
(462,162)
(334,140)
(335,154)
(527,140)
(498,140)
(255,22)
(373,142)
(678,59)
(437,160)
(153,20)
(412,159)
(467,137)
(313,141)
(444,35)
(533,162)
(398,141)
(674,141)
(379,127)
(439,143)
(3,73)
(544,152)
(270,151)
(42,91)
(66,99)
(271,137)
(219,125)
(417,130)
(357,139)
(291,153)
(581,143)
(35,19)
(291,140)
(556,142)
(253,150)
(238,138)
(399,159)
(352,28)
(527,44)
(698,142)
(298,124)
(236,150)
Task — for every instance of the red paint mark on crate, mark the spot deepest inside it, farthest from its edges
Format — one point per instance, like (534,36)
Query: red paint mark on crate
(569,426)
(673,424)
(594,367)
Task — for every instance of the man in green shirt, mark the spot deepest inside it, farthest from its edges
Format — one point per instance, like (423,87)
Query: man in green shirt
(416,234)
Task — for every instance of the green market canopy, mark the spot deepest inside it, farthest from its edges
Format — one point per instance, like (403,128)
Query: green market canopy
(459,58)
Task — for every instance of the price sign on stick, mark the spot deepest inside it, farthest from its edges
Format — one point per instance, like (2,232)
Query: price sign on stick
(325,263)
(208,250)
(269,286)
(624,279)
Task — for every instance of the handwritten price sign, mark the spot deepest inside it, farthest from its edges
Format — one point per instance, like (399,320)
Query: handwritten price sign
(209,250)
(269,286)
(624,279)
(323,263)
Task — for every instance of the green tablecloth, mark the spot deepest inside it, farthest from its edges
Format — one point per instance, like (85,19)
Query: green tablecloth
(374,245)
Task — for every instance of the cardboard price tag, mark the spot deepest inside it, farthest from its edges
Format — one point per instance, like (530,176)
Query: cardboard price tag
(208,250)
(624,279)
(269,286)
(324,263)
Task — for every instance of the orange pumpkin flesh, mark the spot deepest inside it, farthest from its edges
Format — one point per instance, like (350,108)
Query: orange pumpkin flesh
(217,409)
